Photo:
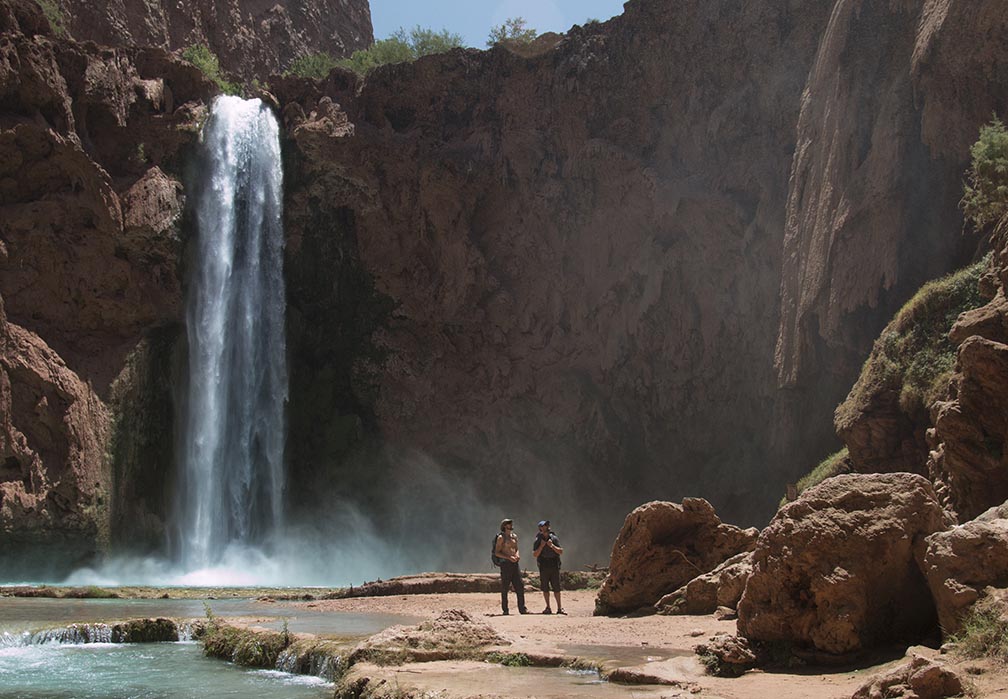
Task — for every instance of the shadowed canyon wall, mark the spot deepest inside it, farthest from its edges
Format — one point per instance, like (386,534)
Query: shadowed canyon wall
(643,264)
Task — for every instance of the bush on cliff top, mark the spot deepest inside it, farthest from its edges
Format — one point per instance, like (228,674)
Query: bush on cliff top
(512,31)
(914,355)
(985,197)
(400,47)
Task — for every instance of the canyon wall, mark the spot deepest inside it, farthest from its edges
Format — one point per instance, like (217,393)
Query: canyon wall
(90,227)
(251,38)
(644,260)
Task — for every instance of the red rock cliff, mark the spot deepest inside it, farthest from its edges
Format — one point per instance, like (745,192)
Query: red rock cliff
(252,38)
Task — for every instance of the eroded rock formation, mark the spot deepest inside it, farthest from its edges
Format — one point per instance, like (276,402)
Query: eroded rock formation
(962,562)
(90,252)
(837,570)
(722,587)
(251,39)
(661,546)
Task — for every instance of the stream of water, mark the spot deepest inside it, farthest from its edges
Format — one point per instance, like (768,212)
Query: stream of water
(232,413)
(54,670)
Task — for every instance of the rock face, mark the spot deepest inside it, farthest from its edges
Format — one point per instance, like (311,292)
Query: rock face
(962,562)
(661,546)
(580,263)
(54,483)
(857,183)
(837,570)
(722,587)
(251,39)
(89,248)
(969,463)
(558,251)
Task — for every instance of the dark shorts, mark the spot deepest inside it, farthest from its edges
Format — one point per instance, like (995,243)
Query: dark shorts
(549,574)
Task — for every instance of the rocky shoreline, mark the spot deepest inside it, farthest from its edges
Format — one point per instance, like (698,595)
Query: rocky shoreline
(463,647)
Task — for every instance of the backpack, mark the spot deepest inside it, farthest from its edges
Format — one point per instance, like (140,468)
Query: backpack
(494,558)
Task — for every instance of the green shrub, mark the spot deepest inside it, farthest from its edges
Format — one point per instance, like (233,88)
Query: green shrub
(314,65)
(402,47)
(509,659)
(984,633)
(914,355)
(512,31)
(827,468)
(985,197)
(54,14)
(244,646)
(206,60)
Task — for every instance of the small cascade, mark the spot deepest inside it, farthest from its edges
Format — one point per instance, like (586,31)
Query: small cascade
(314,661)
(133,631)
(232,414)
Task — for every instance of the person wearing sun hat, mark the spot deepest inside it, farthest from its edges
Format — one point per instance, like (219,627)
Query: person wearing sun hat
(506,552)
(547,552)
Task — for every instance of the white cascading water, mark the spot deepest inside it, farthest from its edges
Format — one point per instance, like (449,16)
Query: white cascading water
(232,425)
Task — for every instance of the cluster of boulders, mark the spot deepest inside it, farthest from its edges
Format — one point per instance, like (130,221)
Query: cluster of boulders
(859,562)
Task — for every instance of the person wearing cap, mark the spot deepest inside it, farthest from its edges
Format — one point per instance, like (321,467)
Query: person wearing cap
(506,548)
(547,552)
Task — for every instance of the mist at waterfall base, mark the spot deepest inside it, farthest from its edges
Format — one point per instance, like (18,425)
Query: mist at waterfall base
(439,523)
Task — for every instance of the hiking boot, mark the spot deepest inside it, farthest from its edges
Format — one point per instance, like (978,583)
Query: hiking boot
(561,611)
(505,612)
(547,611)
(523,610)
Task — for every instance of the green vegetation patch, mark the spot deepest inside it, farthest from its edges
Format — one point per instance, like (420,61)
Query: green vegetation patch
(832,465)
(514,31)
(244,646)
(914,355)
(985,193)
(401,47)
(984,632)
(54,14)
(206,60)
(509,659)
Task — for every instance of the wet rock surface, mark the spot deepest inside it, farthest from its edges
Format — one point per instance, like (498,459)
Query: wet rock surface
(454,633)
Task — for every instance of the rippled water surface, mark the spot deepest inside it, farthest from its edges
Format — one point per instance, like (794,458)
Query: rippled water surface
(153,670)
(24,613)
(140,671)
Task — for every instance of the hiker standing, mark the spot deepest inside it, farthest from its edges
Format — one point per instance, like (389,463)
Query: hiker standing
(547,551)
(506,549)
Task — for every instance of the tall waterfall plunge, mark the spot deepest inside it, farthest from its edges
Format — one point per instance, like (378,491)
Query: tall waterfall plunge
(232,416)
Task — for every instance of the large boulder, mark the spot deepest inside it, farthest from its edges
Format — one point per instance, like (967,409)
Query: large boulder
(722,587)
(662,546)
(921,678)
(836,570)
(961,562)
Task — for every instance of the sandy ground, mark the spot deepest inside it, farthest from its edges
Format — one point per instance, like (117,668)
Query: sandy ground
(660,646)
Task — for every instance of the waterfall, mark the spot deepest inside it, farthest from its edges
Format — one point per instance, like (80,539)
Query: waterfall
(231,476)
